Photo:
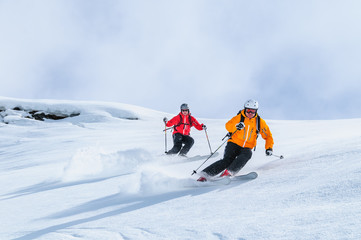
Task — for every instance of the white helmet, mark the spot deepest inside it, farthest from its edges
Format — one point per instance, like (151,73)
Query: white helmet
(252,104)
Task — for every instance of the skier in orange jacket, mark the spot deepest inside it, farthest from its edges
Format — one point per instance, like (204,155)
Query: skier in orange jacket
(181,132)
(239,147)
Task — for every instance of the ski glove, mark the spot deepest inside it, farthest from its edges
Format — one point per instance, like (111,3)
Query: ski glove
(240,126)
(204,127)
(269,152)
(165,120)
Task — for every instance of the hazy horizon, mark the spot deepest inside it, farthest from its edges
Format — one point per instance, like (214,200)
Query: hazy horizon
(298,59)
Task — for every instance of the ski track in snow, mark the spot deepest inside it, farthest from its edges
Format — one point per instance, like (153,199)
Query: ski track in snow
(100,175)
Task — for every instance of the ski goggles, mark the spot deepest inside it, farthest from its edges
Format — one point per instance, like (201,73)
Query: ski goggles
(253,111)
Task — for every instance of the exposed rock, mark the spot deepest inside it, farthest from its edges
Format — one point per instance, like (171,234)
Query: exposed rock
(32,114)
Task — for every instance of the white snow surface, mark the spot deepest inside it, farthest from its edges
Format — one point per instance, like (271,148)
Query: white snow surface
(103,175)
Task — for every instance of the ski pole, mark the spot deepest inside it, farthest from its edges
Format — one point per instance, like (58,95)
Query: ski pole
(205,130)
(229,135)
(166,129)
(280,157)
(165,137)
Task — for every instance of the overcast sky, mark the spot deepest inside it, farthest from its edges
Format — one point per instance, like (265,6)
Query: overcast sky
(299,59)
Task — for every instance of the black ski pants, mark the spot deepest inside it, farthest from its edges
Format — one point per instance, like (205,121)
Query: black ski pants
(179,140)
(234,159)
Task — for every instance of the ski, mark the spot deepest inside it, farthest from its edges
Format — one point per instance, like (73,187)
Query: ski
(227,180)
(245,177)
(214,182)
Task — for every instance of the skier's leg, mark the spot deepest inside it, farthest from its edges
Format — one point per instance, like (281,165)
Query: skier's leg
(177,140)
(188,143)
(231,151)
(240,161)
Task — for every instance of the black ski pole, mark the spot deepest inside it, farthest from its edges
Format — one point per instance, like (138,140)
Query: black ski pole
(229,135)
(205,130)
(280,157)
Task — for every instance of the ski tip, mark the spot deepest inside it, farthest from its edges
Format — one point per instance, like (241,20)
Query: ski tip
(248,176)
(253,174)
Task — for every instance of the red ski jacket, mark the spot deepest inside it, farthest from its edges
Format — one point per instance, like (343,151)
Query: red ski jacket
(182,124)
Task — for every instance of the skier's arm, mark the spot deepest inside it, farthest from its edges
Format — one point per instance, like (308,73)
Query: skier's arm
(173,121)
(196,124)
(231,124)
(266,134)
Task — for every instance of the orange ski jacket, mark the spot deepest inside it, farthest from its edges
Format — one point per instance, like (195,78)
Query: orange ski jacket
(182,124)
(247,137)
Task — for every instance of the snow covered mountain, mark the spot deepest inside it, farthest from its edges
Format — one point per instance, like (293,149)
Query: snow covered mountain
(98,172)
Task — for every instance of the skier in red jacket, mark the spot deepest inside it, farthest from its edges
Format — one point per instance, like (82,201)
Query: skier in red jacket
(182,124)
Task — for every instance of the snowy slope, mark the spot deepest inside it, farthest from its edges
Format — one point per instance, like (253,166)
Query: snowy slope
(102,175)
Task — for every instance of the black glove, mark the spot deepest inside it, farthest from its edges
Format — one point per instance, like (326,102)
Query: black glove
(269,152)
(240,126)
(204,126)
(229,135)
(165,120)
